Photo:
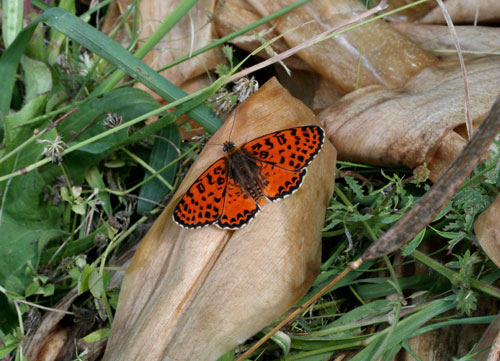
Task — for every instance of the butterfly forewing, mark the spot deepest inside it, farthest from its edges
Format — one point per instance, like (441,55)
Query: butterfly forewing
(204,201)
(291,149)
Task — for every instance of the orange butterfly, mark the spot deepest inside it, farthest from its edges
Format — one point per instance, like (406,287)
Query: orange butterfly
(232,190)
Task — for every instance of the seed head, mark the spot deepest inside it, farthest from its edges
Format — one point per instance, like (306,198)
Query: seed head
(54,149)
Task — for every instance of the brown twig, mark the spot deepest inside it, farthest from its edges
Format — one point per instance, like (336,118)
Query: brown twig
(352,266)
(426,209)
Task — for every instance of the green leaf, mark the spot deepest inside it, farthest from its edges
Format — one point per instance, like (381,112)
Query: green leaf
(165,150)
(379,287)
(83,283)
(96,284)
(283,341)
(37,78)
(228,356)
(353,184)
(348,325)
(12,20)
(97,335)
(32,289)
(79,208)
(88,121)
(6,349)
(414,243)
(405,328)
(8,317)
(94,179)
(56,38)
(26,220)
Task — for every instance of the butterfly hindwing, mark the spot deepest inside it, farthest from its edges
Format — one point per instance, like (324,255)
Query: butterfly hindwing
(279,182)
(239,207)
(291,149)
(203,203)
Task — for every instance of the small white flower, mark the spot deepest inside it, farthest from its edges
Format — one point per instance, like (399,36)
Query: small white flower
(245,87)
(223,101)
(86,63)
(54,149)
(113,120)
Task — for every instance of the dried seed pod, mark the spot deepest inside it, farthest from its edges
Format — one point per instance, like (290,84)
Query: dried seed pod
(219,287)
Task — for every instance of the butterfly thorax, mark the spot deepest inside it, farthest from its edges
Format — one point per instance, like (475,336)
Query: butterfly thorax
(227,146)
(245,171)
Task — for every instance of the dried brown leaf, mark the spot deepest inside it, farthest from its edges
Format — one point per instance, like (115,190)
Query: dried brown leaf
(374,125)
(474,40)
(220,287)
(371,46)
(232,15)
(192,32)
(488,231)
(465,12)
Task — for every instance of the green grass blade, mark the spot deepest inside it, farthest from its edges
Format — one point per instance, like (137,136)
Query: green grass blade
(168,23)
(95,41)
(12,20)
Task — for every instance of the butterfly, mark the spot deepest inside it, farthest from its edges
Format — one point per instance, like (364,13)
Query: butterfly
(232,190)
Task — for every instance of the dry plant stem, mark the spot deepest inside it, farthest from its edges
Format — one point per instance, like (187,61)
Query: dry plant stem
(441,192)
(352,266)
(43,307)
(286,54)
(449,22)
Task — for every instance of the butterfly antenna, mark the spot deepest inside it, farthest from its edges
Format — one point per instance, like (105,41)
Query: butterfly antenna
(230,131)
(219,144)
(232,125)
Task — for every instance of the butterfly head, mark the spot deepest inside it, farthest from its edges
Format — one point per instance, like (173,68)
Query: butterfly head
(227,146)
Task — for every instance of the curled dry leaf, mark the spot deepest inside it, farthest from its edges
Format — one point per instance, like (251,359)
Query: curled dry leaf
(312,89)
(375,125)
(33,346)
(220,287)
(411,14)
(358,57)
(465,11)
(488,231)
(489,343)
(232,15)
(192,32)
(474,40)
